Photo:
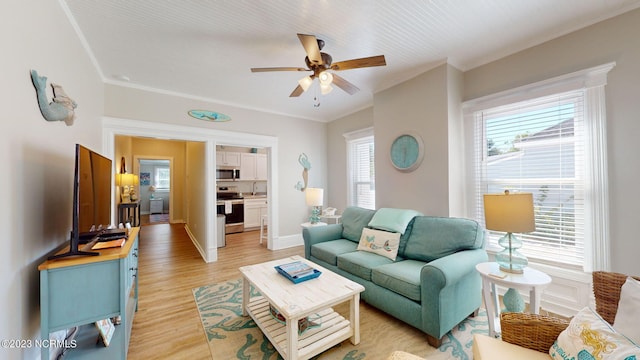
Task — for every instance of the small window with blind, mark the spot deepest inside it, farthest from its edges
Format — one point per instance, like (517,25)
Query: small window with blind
(162,178)
(548,139)
(361,169)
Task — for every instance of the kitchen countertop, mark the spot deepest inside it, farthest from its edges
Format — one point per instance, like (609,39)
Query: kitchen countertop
(256,196)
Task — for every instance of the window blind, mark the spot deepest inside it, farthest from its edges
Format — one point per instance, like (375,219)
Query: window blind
(361,163)
(537,146)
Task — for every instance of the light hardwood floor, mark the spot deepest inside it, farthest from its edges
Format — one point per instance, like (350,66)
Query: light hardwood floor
(167,324)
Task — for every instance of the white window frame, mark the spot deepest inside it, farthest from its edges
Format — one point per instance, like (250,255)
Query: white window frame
(353,138)
(592,82)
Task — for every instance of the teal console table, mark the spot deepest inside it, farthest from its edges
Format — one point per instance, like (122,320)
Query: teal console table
(79,291)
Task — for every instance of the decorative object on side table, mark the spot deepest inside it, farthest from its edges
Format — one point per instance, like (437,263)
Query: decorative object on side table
(314,198)
(511,213)
(407,151)
(62,108)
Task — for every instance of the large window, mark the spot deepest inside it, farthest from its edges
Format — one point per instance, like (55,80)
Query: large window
(361,170)
(549,143)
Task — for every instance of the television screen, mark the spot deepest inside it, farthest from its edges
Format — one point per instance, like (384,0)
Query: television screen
(94,190)
(91,199)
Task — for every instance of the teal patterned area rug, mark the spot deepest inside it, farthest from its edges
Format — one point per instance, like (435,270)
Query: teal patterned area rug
(233,336)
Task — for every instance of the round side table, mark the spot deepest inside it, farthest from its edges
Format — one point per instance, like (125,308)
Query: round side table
(532,280)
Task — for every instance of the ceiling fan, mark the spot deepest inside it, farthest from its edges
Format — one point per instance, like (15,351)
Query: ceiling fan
(320,63)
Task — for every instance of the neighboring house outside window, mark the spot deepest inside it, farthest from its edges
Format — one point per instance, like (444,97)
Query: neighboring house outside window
(360,169)
(547,139)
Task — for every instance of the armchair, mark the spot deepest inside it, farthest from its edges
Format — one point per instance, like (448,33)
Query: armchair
(538,332)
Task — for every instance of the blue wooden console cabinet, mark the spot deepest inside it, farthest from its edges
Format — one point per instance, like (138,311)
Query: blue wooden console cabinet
(82,290)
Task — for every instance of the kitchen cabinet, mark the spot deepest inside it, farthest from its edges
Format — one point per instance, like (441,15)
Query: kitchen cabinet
(253,211)
(253,166)
(228,158)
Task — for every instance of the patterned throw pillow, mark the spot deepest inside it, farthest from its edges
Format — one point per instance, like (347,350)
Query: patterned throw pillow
(588,336)
(380,242)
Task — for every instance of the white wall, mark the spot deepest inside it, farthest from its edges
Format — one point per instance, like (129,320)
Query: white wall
(419,105)
(38,156)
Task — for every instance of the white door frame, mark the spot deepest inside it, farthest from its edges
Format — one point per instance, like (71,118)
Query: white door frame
(128,127)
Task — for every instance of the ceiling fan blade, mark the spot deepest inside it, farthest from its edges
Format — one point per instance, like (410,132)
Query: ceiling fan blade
(297,91)
(278,69)
(359,63)
(310,44)
(344,85)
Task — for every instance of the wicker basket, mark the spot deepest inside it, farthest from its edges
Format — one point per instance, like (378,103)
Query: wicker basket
(538,332)
(606,289)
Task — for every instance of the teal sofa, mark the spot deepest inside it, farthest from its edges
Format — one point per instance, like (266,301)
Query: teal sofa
(431,285)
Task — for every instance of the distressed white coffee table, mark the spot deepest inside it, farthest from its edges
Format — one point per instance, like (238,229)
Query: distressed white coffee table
(312,298)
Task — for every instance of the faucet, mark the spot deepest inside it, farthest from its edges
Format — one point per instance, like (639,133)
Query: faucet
(253,188)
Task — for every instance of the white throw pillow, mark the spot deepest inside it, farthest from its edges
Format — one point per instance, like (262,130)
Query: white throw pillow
(627,319)
(380,242)
(589,336)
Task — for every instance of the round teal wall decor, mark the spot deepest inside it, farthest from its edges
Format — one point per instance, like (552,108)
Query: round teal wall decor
(407,151)
(209,115)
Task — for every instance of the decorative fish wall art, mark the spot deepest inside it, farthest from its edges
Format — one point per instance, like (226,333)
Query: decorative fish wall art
(306,166)
(62,108)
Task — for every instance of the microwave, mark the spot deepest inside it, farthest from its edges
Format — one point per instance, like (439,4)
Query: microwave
(227,174)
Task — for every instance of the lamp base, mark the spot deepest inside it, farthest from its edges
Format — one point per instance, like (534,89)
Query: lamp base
(315,214)
(511,270)
(510,259)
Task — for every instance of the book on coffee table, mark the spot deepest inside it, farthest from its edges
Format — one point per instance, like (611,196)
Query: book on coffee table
(298,271)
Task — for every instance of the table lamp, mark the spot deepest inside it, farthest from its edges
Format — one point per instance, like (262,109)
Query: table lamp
(511,213)
(126,182)
(314,197)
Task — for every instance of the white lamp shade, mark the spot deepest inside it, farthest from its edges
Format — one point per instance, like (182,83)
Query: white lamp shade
(325,89)
(126,179)
(509,212)
(314,196)
(305,82)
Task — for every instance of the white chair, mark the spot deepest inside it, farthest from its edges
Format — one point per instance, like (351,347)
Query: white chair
(263,223)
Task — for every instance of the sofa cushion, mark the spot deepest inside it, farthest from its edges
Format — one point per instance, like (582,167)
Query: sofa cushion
(360,263)
(354,219)
(395,220)
(380,242)
(434,237)
(402,277)
(589,336)
(488,348)
(328,251)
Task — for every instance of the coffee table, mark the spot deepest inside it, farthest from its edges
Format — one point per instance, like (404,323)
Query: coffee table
(313,298)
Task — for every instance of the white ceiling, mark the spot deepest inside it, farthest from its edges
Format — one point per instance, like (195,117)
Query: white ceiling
(204,49)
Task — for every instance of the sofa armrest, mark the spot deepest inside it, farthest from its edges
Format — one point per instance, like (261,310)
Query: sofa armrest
(317,234)
(450,290)
(450,269)
(535,332)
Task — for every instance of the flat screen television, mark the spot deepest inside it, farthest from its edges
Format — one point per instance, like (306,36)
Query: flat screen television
(91,199)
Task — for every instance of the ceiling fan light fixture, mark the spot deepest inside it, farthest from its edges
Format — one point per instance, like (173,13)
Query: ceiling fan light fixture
(325,88)
(325,78)
(305,82)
